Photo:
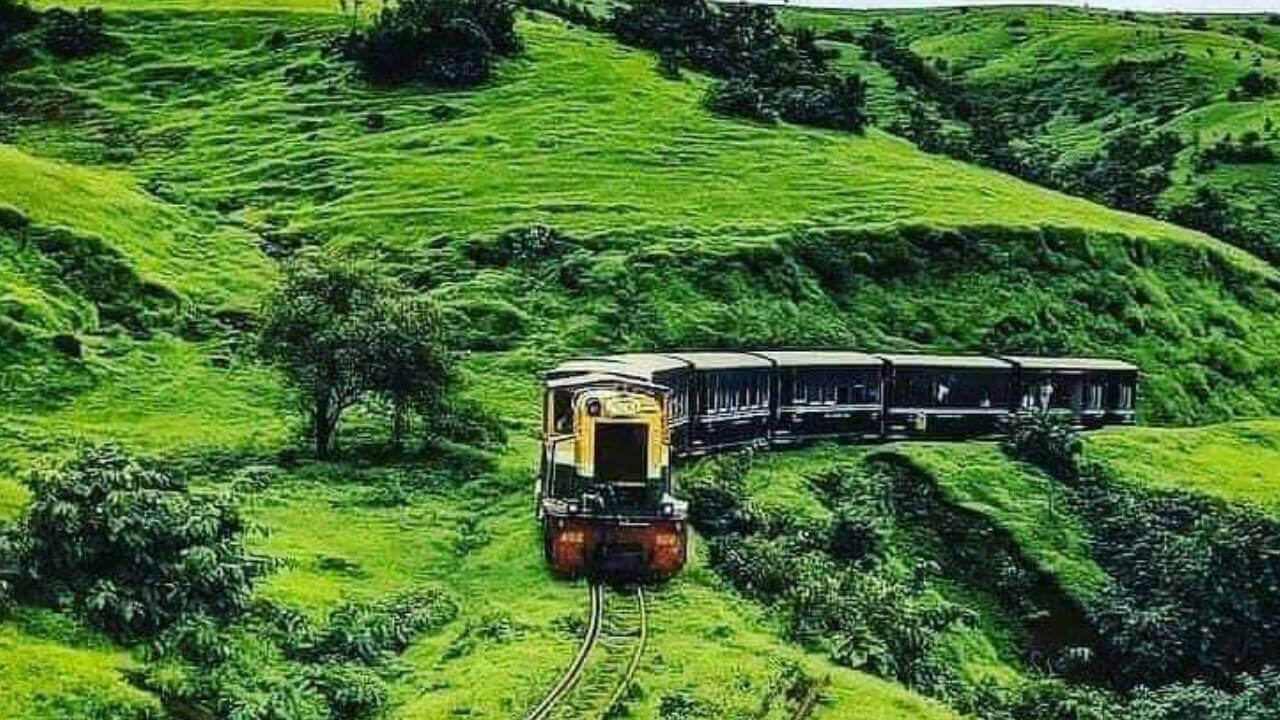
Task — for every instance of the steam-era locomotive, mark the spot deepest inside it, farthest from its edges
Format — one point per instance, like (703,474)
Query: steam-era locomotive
(613,425)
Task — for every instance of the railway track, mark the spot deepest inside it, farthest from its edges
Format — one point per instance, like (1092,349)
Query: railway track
(565,684)
(621,636)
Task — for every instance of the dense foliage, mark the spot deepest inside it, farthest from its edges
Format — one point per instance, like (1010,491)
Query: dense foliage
(343,334)
(74,34)
(1195,593)
(276,664)
(767,72)
(1046,439)
(442,42)
(129,547)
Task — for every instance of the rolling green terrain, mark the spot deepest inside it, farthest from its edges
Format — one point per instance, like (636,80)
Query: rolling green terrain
(579,202)
(1061,83)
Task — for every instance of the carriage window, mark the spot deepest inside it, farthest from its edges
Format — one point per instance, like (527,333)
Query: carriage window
(1126,396)
(915,389)
(1097,390)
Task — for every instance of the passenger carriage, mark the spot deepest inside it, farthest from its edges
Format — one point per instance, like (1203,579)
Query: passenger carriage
(825,395)
(1092,392)
(946,396)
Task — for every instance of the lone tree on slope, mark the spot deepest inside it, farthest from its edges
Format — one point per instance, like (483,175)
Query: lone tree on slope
(341,334)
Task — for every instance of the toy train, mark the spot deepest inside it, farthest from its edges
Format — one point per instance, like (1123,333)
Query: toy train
(613,425)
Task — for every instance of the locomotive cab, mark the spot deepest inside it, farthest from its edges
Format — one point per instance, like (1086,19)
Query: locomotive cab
(605,491)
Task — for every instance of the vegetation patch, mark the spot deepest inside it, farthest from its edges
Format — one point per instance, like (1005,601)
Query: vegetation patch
(441,42)
(769,73)
(128,547)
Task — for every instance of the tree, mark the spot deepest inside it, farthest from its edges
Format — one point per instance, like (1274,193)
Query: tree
(315,331)
(340,333)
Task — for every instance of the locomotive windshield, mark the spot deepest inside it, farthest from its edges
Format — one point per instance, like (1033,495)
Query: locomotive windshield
(622,452)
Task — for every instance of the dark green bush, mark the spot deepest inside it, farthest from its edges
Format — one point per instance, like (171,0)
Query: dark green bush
(717,492)
(838,104)
(74,34)
(351,691)
(131,548)
(1254,85)
(742,97)
(1046,439)
(767,71)
(443,42)
(1195,583)
(275,664)
(370,633)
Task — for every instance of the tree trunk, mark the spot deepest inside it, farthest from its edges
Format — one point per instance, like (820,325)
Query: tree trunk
(323,426)
(399,423)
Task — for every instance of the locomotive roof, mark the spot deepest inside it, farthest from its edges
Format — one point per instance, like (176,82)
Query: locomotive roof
(1048,363)
(600,378)
(818,358)
(971,362)
(639,365)
(651,362)
(584,366)
(722,360)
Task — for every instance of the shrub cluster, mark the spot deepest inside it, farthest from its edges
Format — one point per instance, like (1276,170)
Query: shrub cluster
(1249,150)
(766,71)
(826,579)
(129,547)
(74,34)
(1254,85)
(275,664)
(1195,592)
(442,42)
(1046,439)
(1132,171)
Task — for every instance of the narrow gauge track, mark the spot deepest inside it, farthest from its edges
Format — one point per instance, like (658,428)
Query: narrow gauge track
(571,674)
(556,698)
(629,674)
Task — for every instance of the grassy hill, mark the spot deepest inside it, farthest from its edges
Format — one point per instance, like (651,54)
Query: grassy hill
(580,201)
(1060,83)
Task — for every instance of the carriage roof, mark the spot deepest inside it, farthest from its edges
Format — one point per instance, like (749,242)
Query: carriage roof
(818,358)
(962,362)
(1076,364)
(722,360)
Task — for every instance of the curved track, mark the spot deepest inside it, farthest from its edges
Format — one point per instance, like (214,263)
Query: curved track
(629,674)
(571,674)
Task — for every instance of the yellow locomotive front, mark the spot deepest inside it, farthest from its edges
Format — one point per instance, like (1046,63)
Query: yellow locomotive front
(605,490)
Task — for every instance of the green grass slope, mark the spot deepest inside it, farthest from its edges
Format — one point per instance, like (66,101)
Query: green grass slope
(1021,500)
(1233,461)
(52,669)
(579,134)
(173,247)
(1045,74)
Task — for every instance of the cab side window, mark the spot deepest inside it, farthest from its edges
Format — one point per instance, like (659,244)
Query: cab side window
(562,412)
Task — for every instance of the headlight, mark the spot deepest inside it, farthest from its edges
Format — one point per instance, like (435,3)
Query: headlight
(668,509)
(575,507)
(593,407)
